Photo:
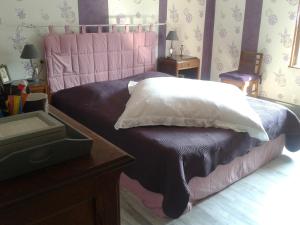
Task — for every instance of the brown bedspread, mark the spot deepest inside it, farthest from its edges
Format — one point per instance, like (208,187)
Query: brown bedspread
(168,157)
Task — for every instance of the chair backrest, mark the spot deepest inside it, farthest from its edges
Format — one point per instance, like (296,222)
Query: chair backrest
(250,62)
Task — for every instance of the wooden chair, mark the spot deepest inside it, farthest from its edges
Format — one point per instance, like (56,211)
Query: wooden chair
(248,75)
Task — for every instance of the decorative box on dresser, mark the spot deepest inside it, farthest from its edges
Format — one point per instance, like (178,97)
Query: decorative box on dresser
(83,191)
(180,66)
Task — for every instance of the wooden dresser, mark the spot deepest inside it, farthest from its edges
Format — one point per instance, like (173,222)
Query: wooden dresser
(180,66)
(83,191)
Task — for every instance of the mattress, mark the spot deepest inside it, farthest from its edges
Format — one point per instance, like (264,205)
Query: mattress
(220,178)
(167,158)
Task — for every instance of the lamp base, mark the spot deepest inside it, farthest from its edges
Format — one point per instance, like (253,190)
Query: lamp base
(171,52)
(34,78)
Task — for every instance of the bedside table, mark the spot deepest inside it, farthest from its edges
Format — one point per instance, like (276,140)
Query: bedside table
(38,87)
(188,66)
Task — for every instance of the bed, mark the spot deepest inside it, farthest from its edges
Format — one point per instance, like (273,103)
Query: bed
(175,166)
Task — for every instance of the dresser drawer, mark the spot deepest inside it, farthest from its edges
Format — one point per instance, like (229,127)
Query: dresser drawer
(185,66)
(38,89)
(188,64)
(82,213)
(51,204)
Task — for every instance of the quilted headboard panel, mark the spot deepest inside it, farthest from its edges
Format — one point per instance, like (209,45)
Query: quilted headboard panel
(77,59)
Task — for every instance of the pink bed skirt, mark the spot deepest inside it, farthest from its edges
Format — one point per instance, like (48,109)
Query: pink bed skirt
(220,178)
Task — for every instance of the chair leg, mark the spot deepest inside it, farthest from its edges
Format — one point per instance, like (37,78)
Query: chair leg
(249,88)
(253,89)
(246,87)
(256,89)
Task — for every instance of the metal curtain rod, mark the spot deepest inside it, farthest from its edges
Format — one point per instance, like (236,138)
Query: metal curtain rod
(93,25)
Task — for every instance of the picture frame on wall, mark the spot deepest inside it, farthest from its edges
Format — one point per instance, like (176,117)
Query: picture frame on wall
(4,74)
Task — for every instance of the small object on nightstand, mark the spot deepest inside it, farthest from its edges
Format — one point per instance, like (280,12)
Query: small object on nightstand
(39,91)
(181,50)
(36,102)
(187,66)
(18,87)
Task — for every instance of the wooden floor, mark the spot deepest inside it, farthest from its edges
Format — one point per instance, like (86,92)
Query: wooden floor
(270,196)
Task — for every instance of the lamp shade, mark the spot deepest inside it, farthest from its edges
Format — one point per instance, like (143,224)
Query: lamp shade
(172,35)
(29,52)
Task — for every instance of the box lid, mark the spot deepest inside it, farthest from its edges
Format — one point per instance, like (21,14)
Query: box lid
(33,126)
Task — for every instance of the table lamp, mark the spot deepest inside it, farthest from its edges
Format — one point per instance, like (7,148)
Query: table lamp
(172,36)
(30,52)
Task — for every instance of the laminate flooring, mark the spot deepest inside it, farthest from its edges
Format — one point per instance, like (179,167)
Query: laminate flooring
(269,196)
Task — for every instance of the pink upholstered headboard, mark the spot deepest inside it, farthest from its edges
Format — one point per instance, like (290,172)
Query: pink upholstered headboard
(76,59)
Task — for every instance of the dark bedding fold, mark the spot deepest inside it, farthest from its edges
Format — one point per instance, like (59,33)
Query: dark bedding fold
(168,157)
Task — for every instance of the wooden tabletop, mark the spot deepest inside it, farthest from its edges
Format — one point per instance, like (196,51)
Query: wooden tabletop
(104,157)
(179,58)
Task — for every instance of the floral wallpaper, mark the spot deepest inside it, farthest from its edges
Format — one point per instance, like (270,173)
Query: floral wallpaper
(20,22)
(276,38)
(187,18)
(228,31)
(133,11)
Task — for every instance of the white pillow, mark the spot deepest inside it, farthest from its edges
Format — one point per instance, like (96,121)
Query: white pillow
(174,101)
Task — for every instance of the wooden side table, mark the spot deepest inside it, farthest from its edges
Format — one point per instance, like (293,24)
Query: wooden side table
(187,66)
(39,87)
(82,191)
